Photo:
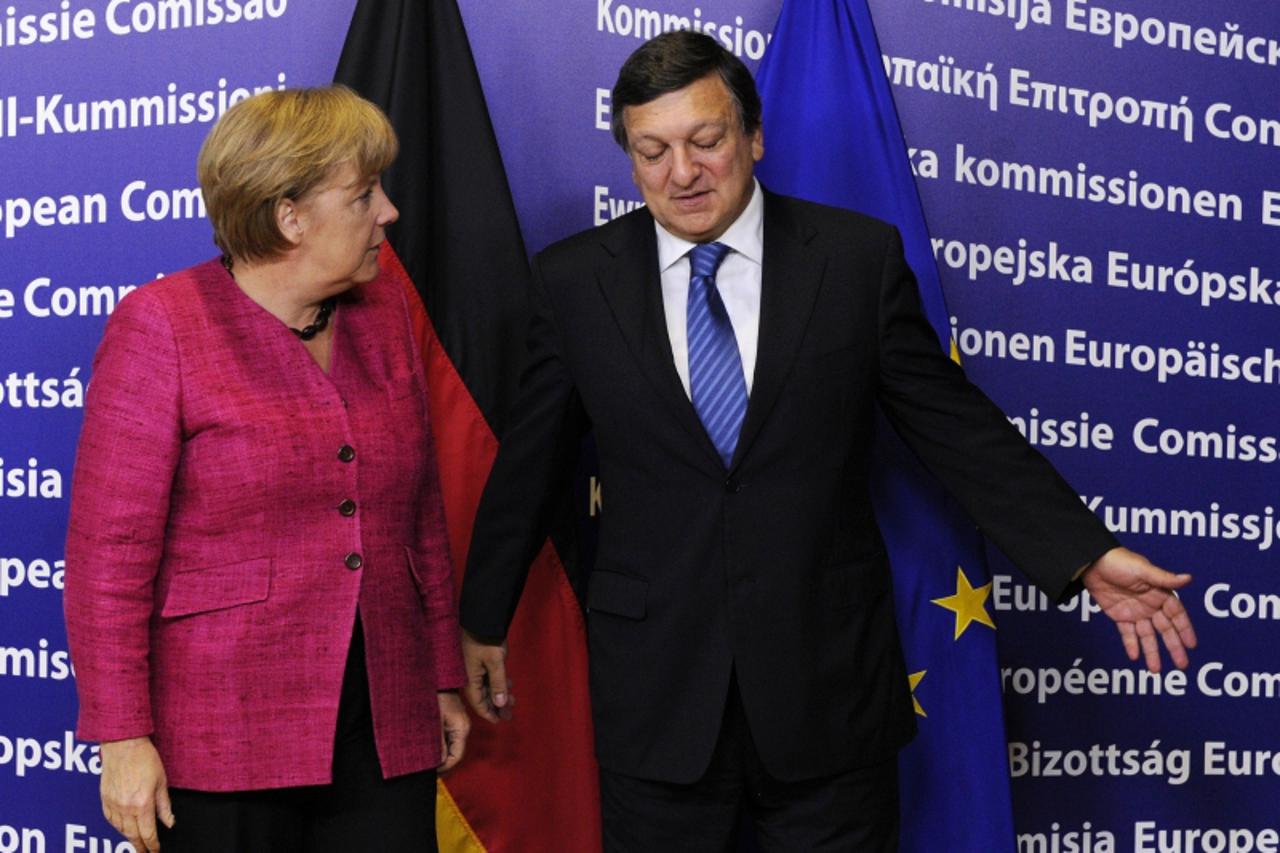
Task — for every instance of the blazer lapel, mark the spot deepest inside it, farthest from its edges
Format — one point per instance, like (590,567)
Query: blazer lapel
(632,287)
(790,282)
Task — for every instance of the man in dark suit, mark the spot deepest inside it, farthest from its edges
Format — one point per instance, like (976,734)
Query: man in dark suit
(727,347)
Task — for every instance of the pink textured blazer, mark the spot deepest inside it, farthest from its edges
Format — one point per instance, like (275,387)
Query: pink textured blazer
(232,507)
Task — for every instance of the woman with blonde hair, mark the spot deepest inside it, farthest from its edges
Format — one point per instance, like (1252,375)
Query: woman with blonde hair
(259,595)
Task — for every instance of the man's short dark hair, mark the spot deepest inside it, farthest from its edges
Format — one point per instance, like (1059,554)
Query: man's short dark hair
(672,61)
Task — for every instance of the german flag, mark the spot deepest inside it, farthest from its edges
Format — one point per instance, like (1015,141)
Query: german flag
(528,784)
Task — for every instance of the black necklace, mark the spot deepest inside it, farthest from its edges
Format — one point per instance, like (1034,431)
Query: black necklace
(312,329)
(317,325)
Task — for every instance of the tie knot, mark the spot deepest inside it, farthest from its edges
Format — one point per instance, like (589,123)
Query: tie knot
(705,258)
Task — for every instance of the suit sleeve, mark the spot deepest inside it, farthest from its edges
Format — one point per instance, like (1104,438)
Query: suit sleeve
(1017,498)
(128,453)
(535,459)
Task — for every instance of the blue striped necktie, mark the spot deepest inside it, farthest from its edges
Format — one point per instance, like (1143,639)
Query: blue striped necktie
(716,381)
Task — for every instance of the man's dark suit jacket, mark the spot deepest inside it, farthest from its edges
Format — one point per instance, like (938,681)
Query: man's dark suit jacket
(773,568)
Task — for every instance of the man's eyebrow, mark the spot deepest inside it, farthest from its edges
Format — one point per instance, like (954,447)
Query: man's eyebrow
(693,131)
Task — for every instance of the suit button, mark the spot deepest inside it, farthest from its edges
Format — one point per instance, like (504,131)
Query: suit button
(346,453)
(353,561)
(732,486)
(347,508)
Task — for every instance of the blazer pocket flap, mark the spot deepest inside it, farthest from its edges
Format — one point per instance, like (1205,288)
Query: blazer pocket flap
(419,569)
(621,595)
(856,584)
(212,588)
(399,387)
(414,572)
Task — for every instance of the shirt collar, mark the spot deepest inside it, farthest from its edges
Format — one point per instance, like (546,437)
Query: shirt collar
(745,236)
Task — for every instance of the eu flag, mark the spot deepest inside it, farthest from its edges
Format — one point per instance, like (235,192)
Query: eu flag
(832,136)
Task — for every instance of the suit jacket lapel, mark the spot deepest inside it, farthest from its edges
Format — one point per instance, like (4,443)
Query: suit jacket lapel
(790,282)
(631,285)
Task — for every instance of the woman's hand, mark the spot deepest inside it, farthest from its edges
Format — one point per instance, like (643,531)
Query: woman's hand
(135,791)
(455,725)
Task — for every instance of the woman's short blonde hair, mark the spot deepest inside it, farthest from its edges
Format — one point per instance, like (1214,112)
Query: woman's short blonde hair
(281,145)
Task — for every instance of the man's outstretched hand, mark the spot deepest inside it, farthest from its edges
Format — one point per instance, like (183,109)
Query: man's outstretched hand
(1140,598)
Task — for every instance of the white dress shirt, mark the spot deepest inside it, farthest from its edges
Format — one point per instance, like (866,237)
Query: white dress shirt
(738,281)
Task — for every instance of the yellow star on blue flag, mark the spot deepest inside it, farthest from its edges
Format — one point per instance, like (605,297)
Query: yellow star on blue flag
(913,681)
(969,604)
